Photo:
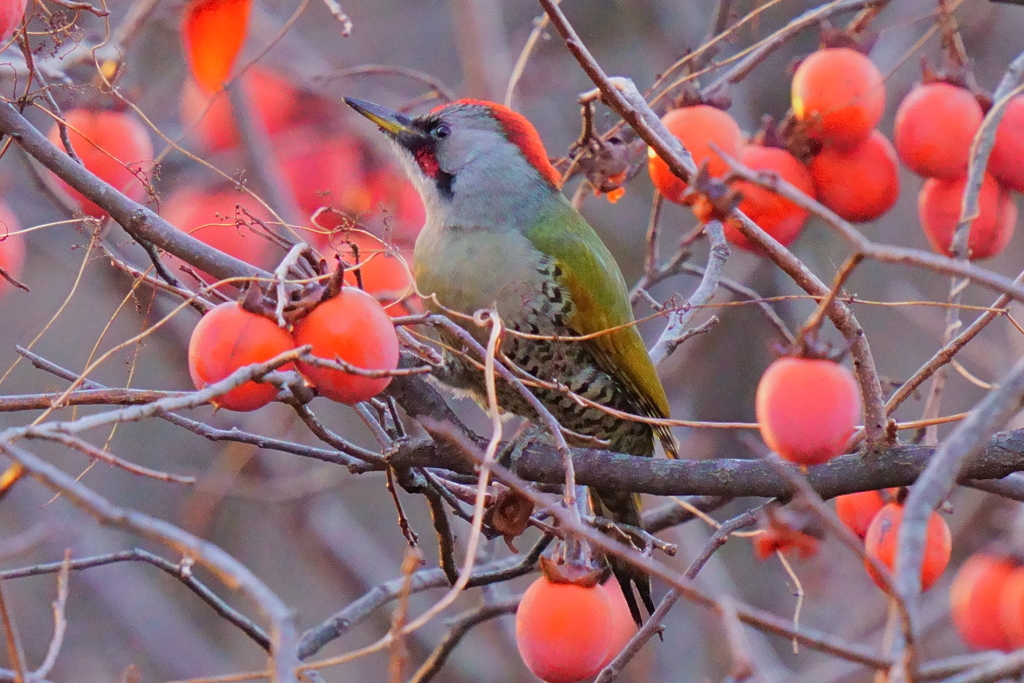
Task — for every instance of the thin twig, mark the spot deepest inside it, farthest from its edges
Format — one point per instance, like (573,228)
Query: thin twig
(947,352)
(678,320)
(338,13)
(654,625)
(14,652)
(82,6)
(283,638)
(200,304)
(339,624)
(85,397)
(330,438)
(458,627)
(431,82)
(60,622)
(765,308)
(111,459)
(345,366)
(651,259)
(539,24)
(398,652)
(180,571)
(411,537)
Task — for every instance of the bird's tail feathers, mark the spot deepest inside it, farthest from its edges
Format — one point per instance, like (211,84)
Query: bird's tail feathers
(629,576)
(668,441)
(624,508)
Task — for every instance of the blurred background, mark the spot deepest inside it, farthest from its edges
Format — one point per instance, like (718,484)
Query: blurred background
(317,535)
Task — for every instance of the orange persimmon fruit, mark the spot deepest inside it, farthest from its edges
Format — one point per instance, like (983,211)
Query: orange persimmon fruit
(776,215)
(856,510)
(975,598)
(807,409)
(1008,150)
(696,127)
(882,537)
(564,631)
(114,146)
(859,183)
(228,338)
(938,207)
(840,95)
(213,32)
(935,126)
(352,327)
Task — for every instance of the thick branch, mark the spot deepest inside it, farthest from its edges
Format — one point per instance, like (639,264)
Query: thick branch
(896,466)
(138,221)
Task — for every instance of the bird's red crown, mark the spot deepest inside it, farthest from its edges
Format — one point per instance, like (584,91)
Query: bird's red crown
(521,133)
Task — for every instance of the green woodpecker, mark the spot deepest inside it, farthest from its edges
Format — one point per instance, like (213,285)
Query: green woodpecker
(500,232)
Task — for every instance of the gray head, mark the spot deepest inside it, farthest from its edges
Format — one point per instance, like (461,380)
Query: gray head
(473,162)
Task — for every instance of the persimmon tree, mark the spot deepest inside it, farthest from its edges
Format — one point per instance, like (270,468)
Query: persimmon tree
(196,383)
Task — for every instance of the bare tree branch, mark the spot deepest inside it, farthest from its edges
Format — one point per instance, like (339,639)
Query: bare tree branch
(342,622)
(283,637)
(138,221)
(964,446)
(181,571)
(457,628)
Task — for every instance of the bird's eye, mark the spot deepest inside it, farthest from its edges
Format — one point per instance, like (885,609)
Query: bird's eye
(441,130)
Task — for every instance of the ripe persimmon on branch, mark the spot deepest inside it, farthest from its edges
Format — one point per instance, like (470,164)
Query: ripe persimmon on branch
(269,208)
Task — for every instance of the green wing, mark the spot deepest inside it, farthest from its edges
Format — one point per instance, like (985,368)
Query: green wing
(601,302)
